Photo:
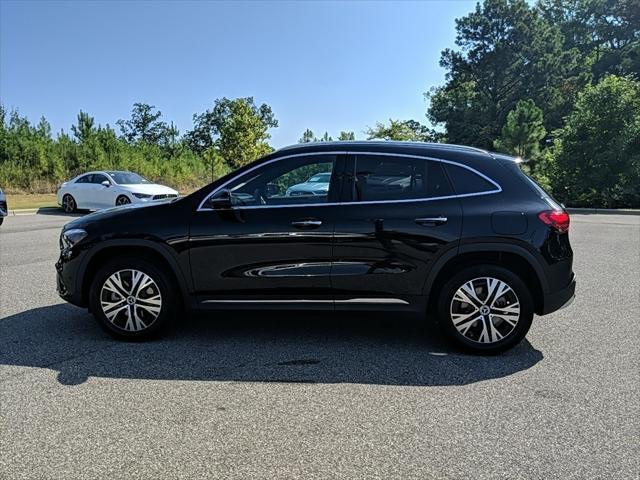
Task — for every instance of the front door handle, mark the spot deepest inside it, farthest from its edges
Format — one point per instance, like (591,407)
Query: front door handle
(431,221)
(307,223)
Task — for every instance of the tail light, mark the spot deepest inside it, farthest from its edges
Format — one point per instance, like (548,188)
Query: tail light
(557,219)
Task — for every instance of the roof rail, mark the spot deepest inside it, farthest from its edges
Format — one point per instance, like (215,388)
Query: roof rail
(443,146)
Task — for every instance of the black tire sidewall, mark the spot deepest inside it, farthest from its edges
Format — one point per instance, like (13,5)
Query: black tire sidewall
(164,283)
(514,281)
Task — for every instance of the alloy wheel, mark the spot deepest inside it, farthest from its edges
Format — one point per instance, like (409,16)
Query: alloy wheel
(122,200)
(131,300)
(485,310)
(68,204)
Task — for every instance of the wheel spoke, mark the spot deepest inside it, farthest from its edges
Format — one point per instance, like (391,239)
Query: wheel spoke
(112,314)
(502,290)
(464,327)
(139,324)
(151,301)
(485,335)
(462,318)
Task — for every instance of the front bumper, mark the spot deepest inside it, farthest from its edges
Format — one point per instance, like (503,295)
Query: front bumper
(561,299)
(66,282)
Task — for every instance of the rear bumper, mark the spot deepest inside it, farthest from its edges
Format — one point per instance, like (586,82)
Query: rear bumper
(558,300)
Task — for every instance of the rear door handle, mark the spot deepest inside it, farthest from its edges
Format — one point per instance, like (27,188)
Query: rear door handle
(307,223)
(431,221)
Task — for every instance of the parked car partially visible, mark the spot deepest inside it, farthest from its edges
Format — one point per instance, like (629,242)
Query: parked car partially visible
(3,206)
(317,184)
(105,189)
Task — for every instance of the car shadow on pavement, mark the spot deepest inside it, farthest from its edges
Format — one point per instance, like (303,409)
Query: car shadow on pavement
(291,347)
(58,211)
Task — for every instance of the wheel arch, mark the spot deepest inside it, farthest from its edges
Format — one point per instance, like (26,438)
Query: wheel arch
(512,257)
(146,249)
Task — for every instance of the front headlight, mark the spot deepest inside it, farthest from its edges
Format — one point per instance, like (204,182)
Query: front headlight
(142,195)
(71,237)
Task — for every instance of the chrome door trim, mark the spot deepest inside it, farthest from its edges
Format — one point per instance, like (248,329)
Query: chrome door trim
(368,301)
(498,188)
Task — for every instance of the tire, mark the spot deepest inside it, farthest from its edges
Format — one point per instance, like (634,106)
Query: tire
(485,325)
(153,306)
(69,204)
(122,200)
(1,220)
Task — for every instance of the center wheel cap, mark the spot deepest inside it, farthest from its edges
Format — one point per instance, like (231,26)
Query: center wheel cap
(484,310)
(131,300)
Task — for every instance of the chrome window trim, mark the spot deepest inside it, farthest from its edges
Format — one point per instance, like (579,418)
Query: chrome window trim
(367,202)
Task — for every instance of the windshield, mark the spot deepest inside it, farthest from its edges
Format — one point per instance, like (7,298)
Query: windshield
(127,178)
(320,178)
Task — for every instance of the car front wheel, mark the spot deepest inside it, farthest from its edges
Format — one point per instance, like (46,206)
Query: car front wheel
(132,298)
(486,309)
(122,200)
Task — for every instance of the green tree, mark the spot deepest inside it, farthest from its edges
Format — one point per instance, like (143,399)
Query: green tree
(307,137)
(598,151)
(605,32)
(346,136)
(237,127)
(407,130)
(523,131)
(325,138)
(85,128)
(145,126)
(508,52)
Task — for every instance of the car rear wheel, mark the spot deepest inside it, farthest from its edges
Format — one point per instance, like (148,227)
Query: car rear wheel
(122,200)
(132,298)
(486,309)
(69,204)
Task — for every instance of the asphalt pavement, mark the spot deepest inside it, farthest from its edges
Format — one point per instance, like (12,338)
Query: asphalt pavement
(301,395)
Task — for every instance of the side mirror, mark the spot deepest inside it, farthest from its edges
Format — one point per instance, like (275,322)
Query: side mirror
(221,201)
(106,183)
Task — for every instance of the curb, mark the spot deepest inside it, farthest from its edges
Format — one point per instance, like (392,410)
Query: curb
(28,211)
(603,211)
(23,211)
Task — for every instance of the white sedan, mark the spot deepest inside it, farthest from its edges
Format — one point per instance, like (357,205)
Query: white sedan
(96,190)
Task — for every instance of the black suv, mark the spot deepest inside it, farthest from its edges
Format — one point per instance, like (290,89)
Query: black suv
(455,231)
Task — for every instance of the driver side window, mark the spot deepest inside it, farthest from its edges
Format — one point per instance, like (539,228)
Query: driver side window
(292,181)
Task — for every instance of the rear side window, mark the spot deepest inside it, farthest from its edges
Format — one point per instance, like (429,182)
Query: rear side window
(84,179)
(380,177)
(466,181)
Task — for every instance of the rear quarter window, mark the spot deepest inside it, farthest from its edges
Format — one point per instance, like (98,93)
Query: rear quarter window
(466,181)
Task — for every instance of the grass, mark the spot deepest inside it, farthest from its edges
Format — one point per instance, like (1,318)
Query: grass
(17,201)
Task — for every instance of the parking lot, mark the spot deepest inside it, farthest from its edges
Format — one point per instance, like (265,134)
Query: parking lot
(299,395)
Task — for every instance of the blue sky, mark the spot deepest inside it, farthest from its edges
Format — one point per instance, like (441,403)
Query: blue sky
(320,65)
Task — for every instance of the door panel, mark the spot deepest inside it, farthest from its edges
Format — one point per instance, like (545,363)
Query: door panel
(401,219)
(271,247)
(80,191)
(101,194)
